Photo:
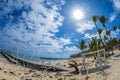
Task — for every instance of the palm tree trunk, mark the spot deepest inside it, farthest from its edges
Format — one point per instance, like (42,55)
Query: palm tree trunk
(112,44)
(105,27)
(109,36)
(102,41)
(99,35)
(106,31)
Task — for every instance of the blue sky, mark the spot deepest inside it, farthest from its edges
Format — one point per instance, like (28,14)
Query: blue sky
(46,28)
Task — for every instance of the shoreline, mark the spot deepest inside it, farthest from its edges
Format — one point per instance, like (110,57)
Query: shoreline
(10,71)
(13,72)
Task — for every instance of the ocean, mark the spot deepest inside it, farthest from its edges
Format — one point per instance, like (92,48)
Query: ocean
(37,59)
(40,60)
(1,56)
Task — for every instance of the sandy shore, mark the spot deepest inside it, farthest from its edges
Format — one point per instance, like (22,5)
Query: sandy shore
(10,71)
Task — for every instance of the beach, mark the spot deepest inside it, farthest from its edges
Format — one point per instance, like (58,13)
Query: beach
(10,71)
(59,39)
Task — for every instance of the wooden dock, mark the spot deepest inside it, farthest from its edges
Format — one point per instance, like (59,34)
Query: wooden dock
(34,65)
(9,58)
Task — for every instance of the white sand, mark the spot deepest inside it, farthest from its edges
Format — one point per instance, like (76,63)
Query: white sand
(10,71)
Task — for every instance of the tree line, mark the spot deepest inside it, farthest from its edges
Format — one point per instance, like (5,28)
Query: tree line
(103,42)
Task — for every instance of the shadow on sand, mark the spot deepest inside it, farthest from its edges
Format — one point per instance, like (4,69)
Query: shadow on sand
(93,70)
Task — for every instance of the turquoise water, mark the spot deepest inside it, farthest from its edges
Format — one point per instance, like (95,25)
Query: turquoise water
(37,59)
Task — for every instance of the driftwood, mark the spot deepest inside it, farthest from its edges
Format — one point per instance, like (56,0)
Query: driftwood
(74,65)
(74,62)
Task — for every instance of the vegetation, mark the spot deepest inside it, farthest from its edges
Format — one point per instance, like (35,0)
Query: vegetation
(82,45)
(95,18)
(104,41)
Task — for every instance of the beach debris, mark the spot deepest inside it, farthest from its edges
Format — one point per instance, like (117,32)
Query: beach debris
(36,75)
(1,69)
(11,72)
(31,70)
(26,73)
(28,79)
(74,62)
(74,65)
(60,79)
(50,76)
(73,79)
(5,71)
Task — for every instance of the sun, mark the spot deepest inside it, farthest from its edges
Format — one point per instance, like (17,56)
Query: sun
(78,14)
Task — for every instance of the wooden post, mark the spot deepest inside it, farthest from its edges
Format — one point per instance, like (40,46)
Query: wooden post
(83,62)
(99,60)
(87,73)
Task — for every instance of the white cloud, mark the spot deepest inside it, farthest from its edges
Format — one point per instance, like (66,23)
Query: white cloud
(113,34)
(64,41)
(83,26)
(112,17)
(89,36)
(72,49)
(35,27)
(116,6)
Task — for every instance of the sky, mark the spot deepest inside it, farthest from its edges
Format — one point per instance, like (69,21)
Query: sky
(47,28)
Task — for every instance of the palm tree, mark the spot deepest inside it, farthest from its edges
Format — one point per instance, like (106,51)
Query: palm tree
(95,44)
(105,38)
(82,45)
(115,29)
(111,43)
(103,20)
(108,32)
(95,18)
(100,32)
(115,41)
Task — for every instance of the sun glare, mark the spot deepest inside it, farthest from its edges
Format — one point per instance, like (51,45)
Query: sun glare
(78,14)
